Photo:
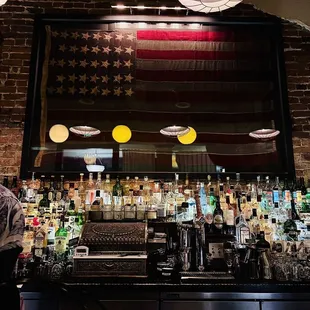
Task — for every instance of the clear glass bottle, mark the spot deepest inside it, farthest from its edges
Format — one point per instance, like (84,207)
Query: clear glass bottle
(90,190)
(81,189)
(107,192)
(218,218)
(242,230)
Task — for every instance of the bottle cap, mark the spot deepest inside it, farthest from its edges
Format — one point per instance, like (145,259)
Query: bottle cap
(265,216)
(273,221)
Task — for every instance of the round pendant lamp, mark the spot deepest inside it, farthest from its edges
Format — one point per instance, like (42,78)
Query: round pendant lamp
(59,133)
(121,134)
(188,138)
(2,2)
(209,6)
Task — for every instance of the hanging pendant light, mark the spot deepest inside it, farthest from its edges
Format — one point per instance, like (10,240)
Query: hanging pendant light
(85,131)
(209,6)
(264,134)
(3,2)
(175,131)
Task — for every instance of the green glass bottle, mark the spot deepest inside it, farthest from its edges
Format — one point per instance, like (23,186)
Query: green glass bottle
(118,188)
(44,204)
(61,237)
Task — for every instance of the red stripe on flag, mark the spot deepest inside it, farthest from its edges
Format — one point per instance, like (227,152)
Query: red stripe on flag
(201,97)
(201,75)
(198,55)
(167,35)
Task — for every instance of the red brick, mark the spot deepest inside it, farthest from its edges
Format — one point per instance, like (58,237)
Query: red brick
(20,55)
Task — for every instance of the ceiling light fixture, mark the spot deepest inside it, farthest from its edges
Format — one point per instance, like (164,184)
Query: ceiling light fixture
(175,131)
(2,2)
(264,134)
(85,131)
(209,6)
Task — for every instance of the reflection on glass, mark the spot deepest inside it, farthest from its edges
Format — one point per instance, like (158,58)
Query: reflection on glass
(217,79)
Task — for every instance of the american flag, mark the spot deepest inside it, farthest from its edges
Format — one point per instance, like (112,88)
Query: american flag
(143,77)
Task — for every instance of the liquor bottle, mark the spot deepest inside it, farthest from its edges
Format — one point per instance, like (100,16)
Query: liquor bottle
(81,189)
(146,191)
(298,193)
(14,186)
(203,198)
(71,215)
(32,188)
(90,190)
(126,186)
(254,222)
(259,190)
(267,229)
(303,193)
(77,199)
(107,192)
(227,186)
(286,192)
(242,230)
(229,218)
(157,193)
(40,242)
(98,184)
(22,196)
(71,190)
(95,206)
(294,214)
(267,195)
(61,237)
(51,231)
(237,188)
(44,204)
(218,218)
(275,191)
(222,192)
(51,192)
(179,197)
(117,188)
(262,243)
(5,181)
(136,186)
(60,189)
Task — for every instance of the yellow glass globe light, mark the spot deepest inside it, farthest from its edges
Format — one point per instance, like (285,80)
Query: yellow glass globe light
(59,133)
(121,133)
(188,138)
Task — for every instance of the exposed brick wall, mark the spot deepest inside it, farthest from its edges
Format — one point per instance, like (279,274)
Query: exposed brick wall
(16,26)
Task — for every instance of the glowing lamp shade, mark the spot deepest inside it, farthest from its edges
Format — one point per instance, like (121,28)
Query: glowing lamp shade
(59,133)
(2,2)
(121,134)
(209,6)
(188,138)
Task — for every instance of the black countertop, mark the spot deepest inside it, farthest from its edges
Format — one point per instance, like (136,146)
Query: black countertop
(116,284)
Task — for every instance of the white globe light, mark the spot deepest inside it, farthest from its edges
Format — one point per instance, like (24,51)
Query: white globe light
(59,133)
(2,2)
(209,6)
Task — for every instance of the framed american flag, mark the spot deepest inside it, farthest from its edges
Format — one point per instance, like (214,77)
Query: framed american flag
(223,77)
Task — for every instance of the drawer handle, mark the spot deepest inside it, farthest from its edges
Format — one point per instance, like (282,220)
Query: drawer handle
(109,266)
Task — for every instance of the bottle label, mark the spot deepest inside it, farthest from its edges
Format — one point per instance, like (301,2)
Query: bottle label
(275,196)
(287,195)
(230,217)
(60,244)
(244,234)
(218,221)
(209,218)
(51,233)
(298,196)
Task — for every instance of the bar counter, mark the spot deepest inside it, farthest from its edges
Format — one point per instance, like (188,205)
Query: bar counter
(131,295)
